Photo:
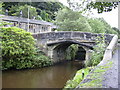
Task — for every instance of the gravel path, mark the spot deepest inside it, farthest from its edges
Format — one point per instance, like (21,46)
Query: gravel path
(111,76)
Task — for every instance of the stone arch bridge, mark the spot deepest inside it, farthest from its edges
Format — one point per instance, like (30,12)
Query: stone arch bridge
(54,44)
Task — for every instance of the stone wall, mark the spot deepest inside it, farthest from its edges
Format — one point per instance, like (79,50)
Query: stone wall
(69,35)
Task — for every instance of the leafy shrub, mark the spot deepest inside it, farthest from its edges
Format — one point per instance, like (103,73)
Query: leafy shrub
(95,58)
(97,54)
(17,46)
(41,60)
(18,50)
(71,52)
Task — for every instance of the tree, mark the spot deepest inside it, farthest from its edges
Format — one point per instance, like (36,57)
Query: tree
(46,9)
(96,25)
(108,28)
(24,10)
(103,6)
(68,20)
(87,5)
(45,16)
(117,30)
(99,25)
(1,12)
(1,8)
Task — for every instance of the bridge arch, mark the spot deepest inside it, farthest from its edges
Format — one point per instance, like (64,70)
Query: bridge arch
(57,50)
(51,42)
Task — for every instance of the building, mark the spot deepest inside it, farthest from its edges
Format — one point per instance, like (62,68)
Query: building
(30,25)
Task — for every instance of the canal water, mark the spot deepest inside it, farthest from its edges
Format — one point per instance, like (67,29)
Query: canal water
(48,77)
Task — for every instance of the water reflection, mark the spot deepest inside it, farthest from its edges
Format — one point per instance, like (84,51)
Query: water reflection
(48,77)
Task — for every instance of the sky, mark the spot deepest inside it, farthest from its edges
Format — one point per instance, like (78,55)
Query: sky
(110,17)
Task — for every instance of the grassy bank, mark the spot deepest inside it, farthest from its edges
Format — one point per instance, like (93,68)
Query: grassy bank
(93,77)
(78,77)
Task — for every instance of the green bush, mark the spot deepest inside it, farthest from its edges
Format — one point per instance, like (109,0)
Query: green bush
(71,52)
(18,50)
(95,58)
(97,54)
(41,61)
(17,46)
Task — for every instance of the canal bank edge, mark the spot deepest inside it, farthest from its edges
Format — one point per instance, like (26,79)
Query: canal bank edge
(94,78)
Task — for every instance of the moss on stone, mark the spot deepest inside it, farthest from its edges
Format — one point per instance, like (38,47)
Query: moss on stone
(96,76)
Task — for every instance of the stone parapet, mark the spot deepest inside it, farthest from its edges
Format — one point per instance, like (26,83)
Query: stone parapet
(71,35)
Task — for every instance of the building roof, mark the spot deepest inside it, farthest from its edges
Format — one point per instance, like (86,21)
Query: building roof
(26,20)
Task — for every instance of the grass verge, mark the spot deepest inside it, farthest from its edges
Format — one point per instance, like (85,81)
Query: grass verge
(93,77)
(78,78)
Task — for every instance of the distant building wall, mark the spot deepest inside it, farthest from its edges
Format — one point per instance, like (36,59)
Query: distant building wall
(30,25)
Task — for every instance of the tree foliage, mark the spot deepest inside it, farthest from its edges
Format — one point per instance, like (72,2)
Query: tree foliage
(117,30)
(1,12)
(100,6)
(96,25)
(69,20)
(45,10)
(103,6)
(24,9)
(99,25)
(108,29)
(71,52)
(45,16)
(1,8)
(48,7)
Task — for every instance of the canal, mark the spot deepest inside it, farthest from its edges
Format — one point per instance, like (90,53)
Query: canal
(54,76)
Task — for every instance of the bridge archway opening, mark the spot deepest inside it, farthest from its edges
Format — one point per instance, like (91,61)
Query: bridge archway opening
(60,52)
(80,54)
